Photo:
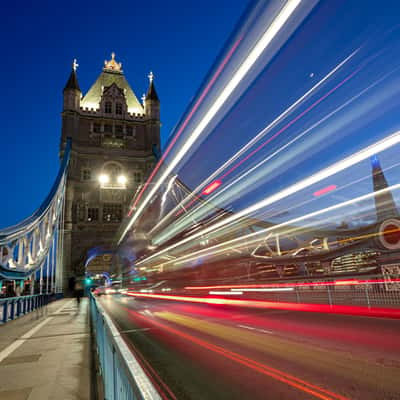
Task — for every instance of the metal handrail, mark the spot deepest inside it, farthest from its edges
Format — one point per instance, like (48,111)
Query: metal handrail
(121,372)
(14,307)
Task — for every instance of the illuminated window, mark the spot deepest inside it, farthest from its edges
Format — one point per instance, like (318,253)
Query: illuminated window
(96,128)
(118,108)
(108,107)
(112,212)
(93,214)
(86,174)
(137,176)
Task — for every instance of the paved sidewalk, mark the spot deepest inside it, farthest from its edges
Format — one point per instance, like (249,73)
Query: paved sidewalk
(46,354)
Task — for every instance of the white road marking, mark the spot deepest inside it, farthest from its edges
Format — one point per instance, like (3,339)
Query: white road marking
(136,330)
(14,346)
(255,329)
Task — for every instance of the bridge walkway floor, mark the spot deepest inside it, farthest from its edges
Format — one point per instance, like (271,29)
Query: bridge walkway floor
(46,354)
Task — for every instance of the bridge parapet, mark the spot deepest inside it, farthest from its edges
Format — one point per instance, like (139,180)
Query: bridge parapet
(32,244)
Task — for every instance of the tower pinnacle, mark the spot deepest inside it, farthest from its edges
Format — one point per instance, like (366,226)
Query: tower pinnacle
(75,65)
(112,65)
(72,82)
(151,91)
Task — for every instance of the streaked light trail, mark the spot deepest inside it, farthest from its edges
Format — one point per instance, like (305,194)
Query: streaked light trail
(324,190)
(255,53)
(365,153)
(274,373)
(382,312)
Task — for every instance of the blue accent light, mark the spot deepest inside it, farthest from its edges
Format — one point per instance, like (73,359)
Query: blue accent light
(375,162)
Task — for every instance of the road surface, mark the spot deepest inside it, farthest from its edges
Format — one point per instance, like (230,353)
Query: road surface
(196,351)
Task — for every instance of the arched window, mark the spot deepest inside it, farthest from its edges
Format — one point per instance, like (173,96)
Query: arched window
(118,108)
(112,176)
(108,107)
(113,170)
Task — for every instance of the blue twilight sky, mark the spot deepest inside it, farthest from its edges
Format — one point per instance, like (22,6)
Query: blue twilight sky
(178,40)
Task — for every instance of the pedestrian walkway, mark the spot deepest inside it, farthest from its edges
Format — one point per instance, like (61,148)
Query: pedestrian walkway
(46,354)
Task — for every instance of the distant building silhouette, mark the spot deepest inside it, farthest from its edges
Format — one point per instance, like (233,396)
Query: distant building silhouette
(384,203)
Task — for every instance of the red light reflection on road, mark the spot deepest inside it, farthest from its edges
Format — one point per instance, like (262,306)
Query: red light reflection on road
(154,376)
(276,374)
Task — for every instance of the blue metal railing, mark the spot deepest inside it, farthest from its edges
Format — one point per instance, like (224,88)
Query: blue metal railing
(14,307)
(123,377)
(26,246)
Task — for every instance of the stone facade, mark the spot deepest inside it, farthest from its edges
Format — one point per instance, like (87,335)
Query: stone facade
(114,138)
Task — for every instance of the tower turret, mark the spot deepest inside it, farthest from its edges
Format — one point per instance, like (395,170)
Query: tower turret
(72,92)
(151,101)
(114,146)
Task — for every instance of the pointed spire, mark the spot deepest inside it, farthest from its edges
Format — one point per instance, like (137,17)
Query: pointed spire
(151,91)
(384,202)
(72,82)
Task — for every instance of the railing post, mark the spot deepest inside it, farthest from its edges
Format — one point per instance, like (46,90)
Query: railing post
(367,296)
(5,312)
(114,372)
(12,309)
(18,307)
(329,297)
(41,280)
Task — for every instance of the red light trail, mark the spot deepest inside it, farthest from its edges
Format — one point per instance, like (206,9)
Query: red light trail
(274,373)
(211,187)
(267,285)
(153,376)
(322,308)
(325,190)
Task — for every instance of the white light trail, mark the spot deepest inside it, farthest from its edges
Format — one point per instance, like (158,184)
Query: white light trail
(201,211)
(286,289)
(222,247)
(239,75)
(258,137)
(369,151)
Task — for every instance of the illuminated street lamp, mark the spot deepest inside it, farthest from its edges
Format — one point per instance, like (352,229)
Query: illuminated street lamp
(103,178)
(122,179)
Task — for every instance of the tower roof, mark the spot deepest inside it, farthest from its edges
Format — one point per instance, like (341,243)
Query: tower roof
(112,73)
(151,91)
(72,82)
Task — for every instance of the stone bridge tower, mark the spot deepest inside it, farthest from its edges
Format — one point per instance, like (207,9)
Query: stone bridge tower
(114,139)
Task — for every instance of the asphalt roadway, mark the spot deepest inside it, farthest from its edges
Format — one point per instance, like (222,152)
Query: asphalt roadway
(212,352)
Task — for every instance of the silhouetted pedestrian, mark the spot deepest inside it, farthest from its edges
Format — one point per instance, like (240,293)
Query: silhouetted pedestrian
(78,293)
